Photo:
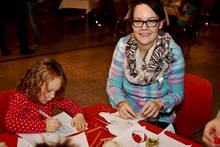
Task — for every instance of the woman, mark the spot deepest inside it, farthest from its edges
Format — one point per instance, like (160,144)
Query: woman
(147,70)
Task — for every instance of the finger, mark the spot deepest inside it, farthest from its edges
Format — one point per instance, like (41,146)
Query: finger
(208,142)
(77,126)
(80,127)
(130,115)
(85,125)
(131,112)
(123,111)
(145,107)
(209,138)
(147,111)
(156,114)
(123,114)
(153,112)
(57,123)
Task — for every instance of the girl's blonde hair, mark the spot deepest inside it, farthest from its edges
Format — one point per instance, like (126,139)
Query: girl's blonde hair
(39,74)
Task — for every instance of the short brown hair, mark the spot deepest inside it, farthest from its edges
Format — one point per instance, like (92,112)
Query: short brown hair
(155,5)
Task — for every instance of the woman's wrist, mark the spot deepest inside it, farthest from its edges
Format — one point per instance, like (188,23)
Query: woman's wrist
(161,105)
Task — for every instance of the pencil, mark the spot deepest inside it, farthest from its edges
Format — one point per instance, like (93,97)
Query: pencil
(43,113)
(94,129)
(48,117)
(97,136)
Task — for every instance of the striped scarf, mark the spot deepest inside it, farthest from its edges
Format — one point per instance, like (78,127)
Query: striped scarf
(153,66)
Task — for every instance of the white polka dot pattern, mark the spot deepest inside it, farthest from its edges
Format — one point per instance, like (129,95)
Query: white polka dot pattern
(23,116)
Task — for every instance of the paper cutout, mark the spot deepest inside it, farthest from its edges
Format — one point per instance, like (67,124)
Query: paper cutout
(125,129)
(125,139)
(139,136)
(117,125)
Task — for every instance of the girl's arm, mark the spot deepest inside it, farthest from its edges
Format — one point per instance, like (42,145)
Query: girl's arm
(16,119)
(68,105)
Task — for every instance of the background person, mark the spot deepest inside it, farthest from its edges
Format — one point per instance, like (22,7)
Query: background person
(147,70)
(32,6)
(212,130)
(14,11)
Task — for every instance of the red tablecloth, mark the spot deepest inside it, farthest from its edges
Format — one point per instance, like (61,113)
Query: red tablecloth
(92,114)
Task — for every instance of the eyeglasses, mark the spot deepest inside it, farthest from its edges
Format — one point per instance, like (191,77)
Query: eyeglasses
(149,23)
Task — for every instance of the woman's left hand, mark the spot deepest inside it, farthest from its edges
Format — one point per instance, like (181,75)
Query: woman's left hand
(79,122)
(151,109)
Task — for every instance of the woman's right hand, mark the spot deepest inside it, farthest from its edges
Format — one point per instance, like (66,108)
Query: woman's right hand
(126,111)
(52,125)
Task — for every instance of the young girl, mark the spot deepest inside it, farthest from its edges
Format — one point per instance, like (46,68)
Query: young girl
(41,88)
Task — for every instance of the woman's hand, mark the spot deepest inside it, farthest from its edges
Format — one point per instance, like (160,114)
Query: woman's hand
(126,111)
(52,124)
(212,130)
(151,109)
(79,122)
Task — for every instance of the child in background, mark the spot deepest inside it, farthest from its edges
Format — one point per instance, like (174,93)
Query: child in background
(41,88)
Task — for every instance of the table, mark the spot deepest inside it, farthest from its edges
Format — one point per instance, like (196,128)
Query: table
(92,112)
(91,115)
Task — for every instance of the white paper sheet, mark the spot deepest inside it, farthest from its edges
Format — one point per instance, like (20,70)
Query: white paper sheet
(117,125)
(165,141)
(169,128)
(123,129)
(66,130)
(79,140)
(125,139)
(23,143)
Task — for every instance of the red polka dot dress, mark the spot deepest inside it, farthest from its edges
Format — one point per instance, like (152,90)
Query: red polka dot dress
(23,115)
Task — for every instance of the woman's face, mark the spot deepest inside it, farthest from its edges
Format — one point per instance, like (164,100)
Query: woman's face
(49,90)
(146,36)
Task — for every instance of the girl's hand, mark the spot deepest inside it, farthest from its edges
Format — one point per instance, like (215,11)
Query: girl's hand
(79,122)
(151,109)
(126,111)
(52,125)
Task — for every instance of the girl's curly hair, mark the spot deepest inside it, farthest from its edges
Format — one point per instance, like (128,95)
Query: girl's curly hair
(38,75)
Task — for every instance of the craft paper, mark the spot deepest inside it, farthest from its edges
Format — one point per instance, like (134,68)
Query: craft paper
(166,141)
(59,135)
(125,139)
(23,143)
(117,125)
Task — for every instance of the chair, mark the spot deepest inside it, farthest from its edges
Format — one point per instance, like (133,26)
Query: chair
(4,101)
(195,110)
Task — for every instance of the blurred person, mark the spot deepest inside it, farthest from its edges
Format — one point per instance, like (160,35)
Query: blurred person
(184,11)
(2,144)
(14,11)
(32,5)
(64,143)
(211,131)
